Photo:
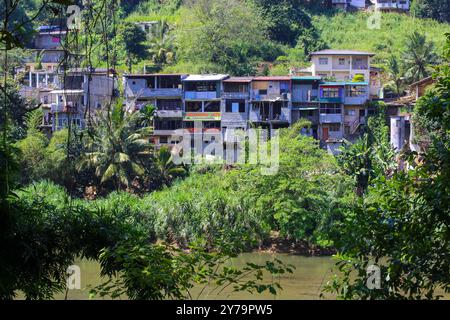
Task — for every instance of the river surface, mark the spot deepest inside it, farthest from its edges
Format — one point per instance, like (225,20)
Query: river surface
(305,283)
(309,276)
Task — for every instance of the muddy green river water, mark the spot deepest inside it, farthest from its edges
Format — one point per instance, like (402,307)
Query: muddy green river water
(306,283)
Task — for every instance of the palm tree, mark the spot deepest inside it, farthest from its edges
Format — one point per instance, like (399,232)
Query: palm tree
(160,44)
(395,73)
(119,147)
(146,115)
(165,166)
(418,57)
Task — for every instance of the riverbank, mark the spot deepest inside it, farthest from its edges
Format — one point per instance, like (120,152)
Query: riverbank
(277,244)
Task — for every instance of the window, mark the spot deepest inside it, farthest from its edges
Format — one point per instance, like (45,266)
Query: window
(341,61)
(235,87)
(330,93)
(263,92)
(211,125)
(355,91)
(306,113)
(334,127)
(193,106)
(202,86)
(169,82)
(323,61)
(284,87)
(151,82)
(330,108)
(350,112)
(212,106)
(164,124)
(163,140)
(235,106)
(169,104)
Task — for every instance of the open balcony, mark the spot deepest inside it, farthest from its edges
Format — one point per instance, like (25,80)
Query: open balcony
(356,94)
(262,95)
(260,115)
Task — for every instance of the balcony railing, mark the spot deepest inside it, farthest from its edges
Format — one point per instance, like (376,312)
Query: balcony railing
(169,113)
(202,116)
(331,99)
(358,100)
(57,107)
(330,117)
(236,95)
(362,66)
(305,96)
(197,95)
(164,132)
(271,97)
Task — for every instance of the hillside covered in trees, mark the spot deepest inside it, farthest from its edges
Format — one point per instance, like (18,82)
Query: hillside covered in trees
(248,37)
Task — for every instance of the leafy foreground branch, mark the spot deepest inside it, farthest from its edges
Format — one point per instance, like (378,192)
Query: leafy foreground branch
(41,240)
(156,271)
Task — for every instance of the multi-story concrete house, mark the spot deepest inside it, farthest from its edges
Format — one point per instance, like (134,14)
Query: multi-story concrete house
(343,106)
(235,107)
(341,65)
(164,92)
(342,109)
(47,52)
(357,94)
(271,102)
(305,101)
(82,93)
(391,5)
(331,111)
(67,96)
(202,103)
(49,37)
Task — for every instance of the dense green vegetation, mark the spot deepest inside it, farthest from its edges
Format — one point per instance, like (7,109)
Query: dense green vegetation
(435,9)
(350,31)
(307,199)
(402,222)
